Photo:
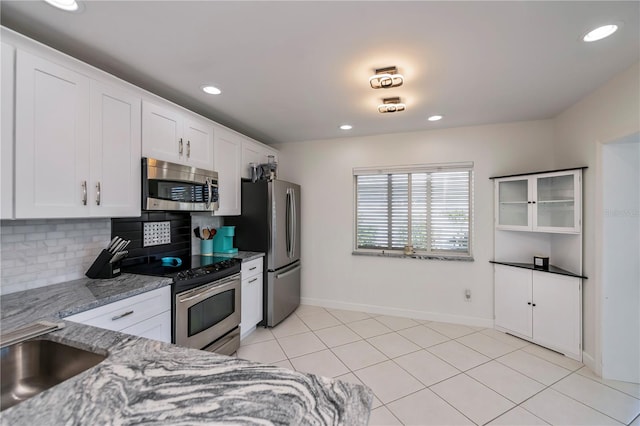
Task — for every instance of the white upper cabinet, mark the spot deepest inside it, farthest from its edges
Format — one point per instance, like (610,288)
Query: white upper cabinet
(173,135)
(115,151)
(255,153)
(52,140)
(227,149)
(547,202)
(8,91)
(75,139)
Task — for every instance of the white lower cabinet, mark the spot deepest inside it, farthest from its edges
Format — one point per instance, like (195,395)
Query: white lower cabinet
(251,309)
(542,307)
(145,315)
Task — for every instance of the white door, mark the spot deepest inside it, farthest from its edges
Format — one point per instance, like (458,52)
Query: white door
(52,139)
(557,313)
(115,152)
(198,144)
(513,300)
(7,89)
(162,133)
(227,153)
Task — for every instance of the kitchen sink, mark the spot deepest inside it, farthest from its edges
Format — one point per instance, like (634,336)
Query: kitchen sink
(33,366)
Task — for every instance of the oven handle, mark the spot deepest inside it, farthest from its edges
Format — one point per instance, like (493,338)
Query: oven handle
(208,290)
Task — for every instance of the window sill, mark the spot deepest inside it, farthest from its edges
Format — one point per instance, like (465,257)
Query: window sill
(414,256)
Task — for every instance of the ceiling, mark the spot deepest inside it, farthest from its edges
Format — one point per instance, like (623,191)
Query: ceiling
(296,71)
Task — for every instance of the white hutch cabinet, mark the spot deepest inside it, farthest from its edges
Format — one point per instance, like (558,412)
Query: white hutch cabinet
(543,306)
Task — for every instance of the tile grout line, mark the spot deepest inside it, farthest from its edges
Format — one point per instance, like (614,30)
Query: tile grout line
(420,347)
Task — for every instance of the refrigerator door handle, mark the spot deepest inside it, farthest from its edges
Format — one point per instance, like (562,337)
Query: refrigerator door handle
(289,236)
(289,272)
(294,215)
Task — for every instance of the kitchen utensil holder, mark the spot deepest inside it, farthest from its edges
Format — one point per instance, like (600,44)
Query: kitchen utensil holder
(102,268)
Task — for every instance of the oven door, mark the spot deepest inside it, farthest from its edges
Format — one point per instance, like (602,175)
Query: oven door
(206,313)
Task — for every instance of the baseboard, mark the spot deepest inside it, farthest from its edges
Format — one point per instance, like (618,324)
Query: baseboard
(590,363)
(405,313)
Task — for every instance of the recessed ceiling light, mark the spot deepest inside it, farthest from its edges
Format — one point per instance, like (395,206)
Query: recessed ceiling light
(346,127)
(212,90)
(68,5)
(600,33)
(435,118)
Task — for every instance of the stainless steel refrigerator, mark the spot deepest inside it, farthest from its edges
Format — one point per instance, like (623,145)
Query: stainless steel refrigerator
(270,223)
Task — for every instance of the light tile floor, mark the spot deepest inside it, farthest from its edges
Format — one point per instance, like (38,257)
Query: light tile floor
(432,373)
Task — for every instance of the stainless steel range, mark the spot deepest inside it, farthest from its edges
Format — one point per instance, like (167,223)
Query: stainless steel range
(206,300)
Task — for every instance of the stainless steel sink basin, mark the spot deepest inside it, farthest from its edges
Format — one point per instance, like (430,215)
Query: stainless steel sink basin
(30,367)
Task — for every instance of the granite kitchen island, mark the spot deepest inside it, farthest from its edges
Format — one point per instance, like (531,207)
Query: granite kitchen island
(146,381)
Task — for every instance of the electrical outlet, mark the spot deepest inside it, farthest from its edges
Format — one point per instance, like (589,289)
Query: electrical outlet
(467,295)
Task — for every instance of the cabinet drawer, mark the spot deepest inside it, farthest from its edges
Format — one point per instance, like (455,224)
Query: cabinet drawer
(127,312)
(155,328)
(251,268)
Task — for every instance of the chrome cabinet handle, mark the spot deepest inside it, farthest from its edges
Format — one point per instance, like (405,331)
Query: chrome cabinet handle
(98,193)
(253,280)
(188,149)
(180,147)
(117,317)
(84,192)
(255,267)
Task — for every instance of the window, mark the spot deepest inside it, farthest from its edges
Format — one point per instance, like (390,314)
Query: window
(428,207)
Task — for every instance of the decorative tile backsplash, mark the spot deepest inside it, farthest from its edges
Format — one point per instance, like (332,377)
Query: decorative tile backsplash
(35,253)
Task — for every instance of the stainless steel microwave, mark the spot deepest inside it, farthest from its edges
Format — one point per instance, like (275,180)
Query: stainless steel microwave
(170,186)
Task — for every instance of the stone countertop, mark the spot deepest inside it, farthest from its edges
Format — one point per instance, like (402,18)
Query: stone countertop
(146,381)
(247,256)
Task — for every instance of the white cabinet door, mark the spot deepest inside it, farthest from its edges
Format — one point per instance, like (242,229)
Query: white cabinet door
(251,153)
(162,133)
(7,89)
(251,310)
(155,328)
(513,301)
(198,144)
(255,153)
(227,158)
(513,204)
(558,197)
(52,140)
(546,202)
(115,152)
(170,134)
(557,312)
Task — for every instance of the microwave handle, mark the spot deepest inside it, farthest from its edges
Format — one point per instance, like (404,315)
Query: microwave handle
(209,185)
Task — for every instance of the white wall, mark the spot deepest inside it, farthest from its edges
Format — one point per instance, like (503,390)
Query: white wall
(430,289)
(620,268)
(609,113)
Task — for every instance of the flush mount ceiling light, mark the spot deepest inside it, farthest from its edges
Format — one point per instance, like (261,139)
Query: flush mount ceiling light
(385,78)
(346,127)
(391,105)
(435,118)
(211,90)
(68,5)
(600,33)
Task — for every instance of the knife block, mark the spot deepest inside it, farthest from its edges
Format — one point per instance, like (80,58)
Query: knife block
(101,268)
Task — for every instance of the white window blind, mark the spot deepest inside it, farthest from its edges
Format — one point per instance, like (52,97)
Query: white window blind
(428,207)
